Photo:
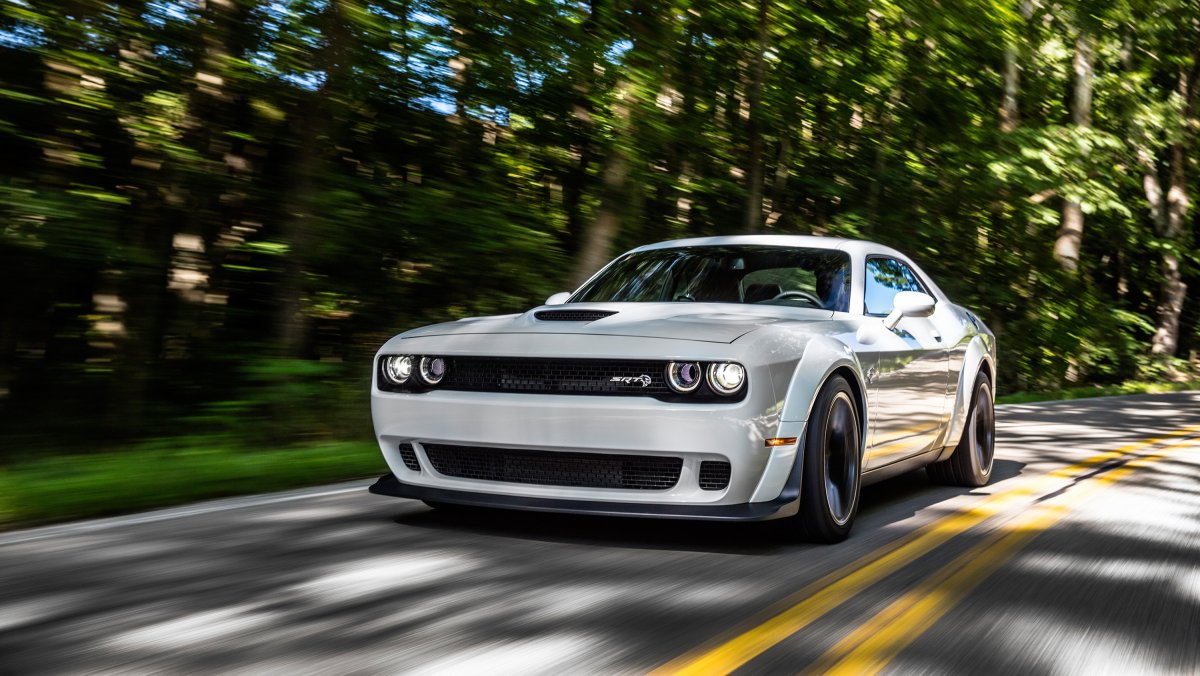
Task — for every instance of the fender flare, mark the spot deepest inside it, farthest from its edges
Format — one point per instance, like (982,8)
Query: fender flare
(978,353)
(822,356)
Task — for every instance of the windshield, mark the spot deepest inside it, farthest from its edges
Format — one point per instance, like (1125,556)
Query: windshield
(769,275)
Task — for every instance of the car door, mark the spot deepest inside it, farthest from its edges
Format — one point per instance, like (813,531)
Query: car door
(907,370)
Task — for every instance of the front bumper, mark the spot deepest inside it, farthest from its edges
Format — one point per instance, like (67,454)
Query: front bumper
(732,433)
(787,504)
(695,432)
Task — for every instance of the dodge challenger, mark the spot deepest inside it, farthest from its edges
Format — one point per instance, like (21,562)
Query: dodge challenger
(726,378)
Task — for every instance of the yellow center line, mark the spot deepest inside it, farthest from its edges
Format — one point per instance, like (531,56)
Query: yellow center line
(873,645)
(799,609)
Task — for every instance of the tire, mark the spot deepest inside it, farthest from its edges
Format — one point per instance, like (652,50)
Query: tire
(973,458)
(832,465)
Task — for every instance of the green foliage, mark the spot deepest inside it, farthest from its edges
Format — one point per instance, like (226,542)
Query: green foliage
(211,215)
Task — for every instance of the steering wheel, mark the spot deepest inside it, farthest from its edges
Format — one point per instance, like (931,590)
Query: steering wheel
(685,297)
(802,295)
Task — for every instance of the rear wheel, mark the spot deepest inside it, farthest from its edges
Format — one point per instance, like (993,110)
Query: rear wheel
(971,463)
(832,465)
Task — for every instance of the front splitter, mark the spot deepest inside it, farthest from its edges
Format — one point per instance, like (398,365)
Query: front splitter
(787,504)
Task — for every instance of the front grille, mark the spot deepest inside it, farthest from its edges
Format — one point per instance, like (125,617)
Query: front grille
(588,470)
(409,456)
(556,376)
(714,475)
(572,315)
(607,377)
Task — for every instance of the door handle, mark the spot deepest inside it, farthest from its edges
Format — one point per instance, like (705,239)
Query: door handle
(937,336)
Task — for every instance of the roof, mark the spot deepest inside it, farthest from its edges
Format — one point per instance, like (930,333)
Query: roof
(857,246)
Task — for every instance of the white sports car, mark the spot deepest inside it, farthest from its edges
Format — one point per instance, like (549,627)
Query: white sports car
(728,378)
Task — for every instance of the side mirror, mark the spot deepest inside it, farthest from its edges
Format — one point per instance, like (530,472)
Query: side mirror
(909,304)
(558,298)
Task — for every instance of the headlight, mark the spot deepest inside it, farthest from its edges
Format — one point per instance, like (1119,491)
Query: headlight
(397,370)
(433,369)
(726,378)
(684,376)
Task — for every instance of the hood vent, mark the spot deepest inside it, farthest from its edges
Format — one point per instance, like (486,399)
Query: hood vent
(572,315)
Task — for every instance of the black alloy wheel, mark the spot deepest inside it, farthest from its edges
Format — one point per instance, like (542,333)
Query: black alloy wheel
(832,465)
(973,458)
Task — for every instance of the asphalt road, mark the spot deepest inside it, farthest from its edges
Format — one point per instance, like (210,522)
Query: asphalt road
(1082,557)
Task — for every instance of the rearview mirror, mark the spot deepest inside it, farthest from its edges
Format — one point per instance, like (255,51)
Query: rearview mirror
(909,304)
(558,298)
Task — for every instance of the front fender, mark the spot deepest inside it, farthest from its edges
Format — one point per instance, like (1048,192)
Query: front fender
(822,356)
(980,349)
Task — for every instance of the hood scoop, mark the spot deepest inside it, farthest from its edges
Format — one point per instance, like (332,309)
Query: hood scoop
(572,315)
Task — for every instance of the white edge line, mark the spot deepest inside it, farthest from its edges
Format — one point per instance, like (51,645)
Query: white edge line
(208,507)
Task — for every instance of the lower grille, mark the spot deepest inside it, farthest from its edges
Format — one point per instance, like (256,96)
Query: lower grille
(714,475)
(409,455)
(588,470)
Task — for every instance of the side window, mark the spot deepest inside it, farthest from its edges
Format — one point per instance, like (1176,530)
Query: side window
(885,278)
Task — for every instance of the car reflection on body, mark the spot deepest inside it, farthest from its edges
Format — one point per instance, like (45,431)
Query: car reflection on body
(728,378)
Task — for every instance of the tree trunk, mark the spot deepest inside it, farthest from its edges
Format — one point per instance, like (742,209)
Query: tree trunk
(752,220)
(1172,217)
(1070,233)
(292,322)
(686,130)
(1010,110)
(208,206)
(312,125)
(883,127)
(596,247)
(575,181)
(1172,293)
(779,216)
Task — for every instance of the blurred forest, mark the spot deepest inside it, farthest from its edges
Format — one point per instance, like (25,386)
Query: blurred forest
(212,212)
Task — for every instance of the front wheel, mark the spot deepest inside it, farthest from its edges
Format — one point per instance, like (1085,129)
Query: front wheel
(971,463)
(832,465)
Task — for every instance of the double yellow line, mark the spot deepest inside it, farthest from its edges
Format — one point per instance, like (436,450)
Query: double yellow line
(864,649)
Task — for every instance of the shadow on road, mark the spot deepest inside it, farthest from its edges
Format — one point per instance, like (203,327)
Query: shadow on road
(636,533)
(881,504)
(898,498)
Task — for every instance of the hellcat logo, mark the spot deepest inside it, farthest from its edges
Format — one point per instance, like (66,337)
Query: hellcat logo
(643,379)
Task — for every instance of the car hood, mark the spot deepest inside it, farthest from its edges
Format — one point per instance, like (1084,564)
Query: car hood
(702,322)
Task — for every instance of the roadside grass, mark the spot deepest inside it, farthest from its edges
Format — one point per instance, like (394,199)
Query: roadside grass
(168,472)
(1097,391)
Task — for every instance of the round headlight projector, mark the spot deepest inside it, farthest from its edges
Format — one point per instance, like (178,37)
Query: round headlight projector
(726,378)
(684,376)
(397,370)
(433,369)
